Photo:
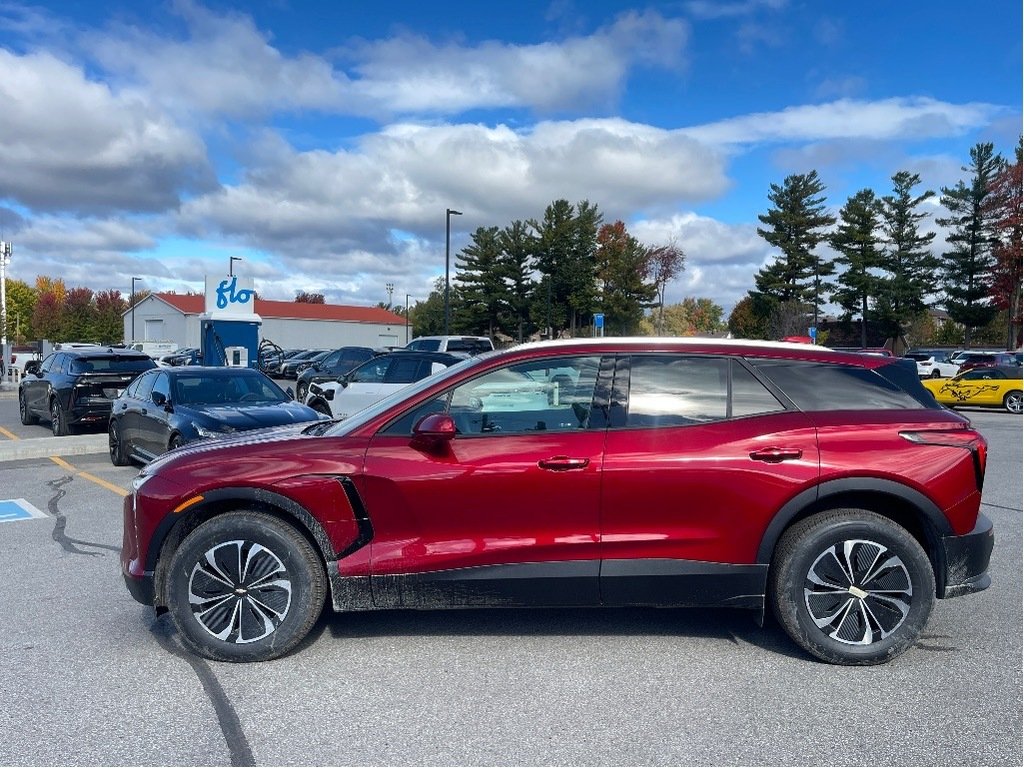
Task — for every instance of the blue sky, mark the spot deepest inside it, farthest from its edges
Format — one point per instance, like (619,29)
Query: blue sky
(322,141)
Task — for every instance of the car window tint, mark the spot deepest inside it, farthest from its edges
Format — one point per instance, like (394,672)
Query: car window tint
(162,386)
(404,370)
(47,364)
(145,386)
(331,360)
(671,390)
(371,372)
(827,387)
(425,345)
(536,396)
(749,396)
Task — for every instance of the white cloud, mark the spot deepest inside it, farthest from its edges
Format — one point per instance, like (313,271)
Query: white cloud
(227,66)
(68,143)
(885,119)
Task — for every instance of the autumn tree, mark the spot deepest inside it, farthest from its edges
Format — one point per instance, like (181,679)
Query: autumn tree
(21,304)
(624,289)
(78,316)
(969,261)
(856,240)
(746,321)
(108,325)
(796,225)
(667,262)
(1004,206)
(692,316)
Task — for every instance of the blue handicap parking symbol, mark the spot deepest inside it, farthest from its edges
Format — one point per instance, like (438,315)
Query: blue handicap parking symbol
(17,509)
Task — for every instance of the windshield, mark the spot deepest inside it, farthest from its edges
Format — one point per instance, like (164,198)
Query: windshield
(369,413)
(200,389)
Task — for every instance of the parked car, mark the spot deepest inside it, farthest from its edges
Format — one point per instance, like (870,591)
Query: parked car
(829,487)
(981,359)
(286,370)
(75,387)
(987,387)
(305,364)
(169,407)
(180,356)
(470,345)
(931,366)
(20,355)
(337,363)
(374,380)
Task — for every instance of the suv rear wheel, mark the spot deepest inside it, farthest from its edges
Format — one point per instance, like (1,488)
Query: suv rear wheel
(851,587)
(244,586)
(58,418)
(27,417)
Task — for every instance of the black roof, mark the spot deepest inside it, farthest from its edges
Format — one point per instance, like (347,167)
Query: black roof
(87,352)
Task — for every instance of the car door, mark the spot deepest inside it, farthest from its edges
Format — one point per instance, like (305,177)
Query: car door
(128,408)
(362,387)
(504,513)
(154,429)
(699,457)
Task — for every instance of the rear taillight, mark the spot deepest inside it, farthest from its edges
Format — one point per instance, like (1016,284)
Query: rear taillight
(967,439)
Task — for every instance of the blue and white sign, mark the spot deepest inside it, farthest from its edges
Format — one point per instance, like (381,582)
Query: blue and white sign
(232,296)
(18,509)
(599,320)
(813,333)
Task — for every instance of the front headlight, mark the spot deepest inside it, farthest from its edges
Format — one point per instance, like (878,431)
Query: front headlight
(220,429)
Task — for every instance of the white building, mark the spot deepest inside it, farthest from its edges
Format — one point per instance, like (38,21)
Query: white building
(289,324)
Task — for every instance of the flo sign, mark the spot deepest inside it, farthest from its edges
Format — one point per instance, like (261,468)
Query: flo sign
(232,296)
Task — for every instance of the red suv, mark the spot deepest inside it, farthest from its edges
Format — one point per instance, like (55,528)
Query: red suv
(826,485)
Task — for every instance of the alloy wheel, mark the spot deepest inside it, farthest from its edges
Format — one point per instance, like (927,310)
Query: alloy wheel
(858,592)
(239,591)
(1014,402)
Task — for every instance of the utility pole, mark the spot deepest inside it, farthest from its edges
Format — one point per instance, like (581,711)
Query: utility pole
(407,319)
(5,260)
(448,213)
(390,287)
(134,280)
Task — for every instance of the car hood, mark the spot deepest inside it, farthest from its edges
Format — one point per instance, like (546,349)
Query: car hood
(243,416)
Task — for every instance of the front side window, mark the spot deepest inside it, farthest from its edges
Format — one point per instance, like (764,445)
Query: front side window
(371,372)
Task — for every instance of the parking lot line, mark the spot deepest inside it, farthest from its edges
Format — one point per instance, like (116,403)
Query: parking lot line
(90,477)
(8,434)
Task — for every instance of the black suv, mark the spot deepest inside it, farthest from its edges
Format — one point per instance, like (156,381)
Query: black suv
(76,387)
(336,364)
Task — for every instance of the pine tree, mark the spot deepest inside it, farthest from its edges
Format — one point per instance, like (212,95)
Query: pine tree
(968,264)
(480,276)
(517,261)
(856,240)
(796,225)
(908,265)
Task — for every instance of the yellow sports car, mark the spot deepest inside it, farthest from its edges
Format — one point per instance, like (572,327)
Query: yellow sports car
(993,387)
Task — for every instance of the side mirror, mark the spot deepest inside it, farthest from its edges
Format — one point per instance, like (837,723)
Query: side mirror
(161,400)
(32,366)
(433,431)
(290,392)
(343,380)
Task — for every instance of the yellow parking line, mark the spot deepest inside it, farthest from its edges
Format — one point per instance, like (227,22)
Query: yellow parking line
(87,476)
(8,434)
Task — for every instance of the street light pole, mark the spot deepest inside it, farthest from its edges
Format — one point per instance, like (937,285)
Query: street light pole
(448,213)
(390,287)
(231,265)
(134,279)
(5,261)
(407,319)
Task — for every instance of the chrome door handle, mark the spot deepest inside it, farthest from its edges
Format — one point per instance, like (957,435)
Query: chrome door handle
(776,455)
(562,463)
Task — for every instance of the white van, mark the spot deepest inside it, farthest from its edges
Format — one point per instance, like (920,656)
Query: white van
(154,349)
(470,345)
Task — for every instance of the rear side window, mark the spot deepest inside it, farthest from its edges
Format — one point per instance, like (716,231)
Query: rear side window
(828,387)
(425,345)
(674,390)
(404,370)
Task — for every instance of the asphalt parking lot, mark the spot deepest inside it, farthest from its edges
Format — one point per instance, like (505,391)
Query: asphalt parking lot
(89,677)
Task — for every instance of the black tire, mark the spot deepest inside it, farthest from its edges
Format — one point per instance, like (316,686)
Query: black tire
(27,417)
(1012,401)
(176,441)
(936,374)
(118,454)
(58,418)
(300,391)
(227,623)
(867,618)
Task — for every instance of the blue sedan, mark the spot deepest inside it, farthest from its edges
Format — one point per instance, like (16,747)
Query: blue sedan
(168,407)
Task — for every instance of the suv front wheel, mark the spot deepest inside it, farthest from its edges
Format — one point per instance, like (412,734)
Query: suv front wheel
(851,587)
(244,586)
